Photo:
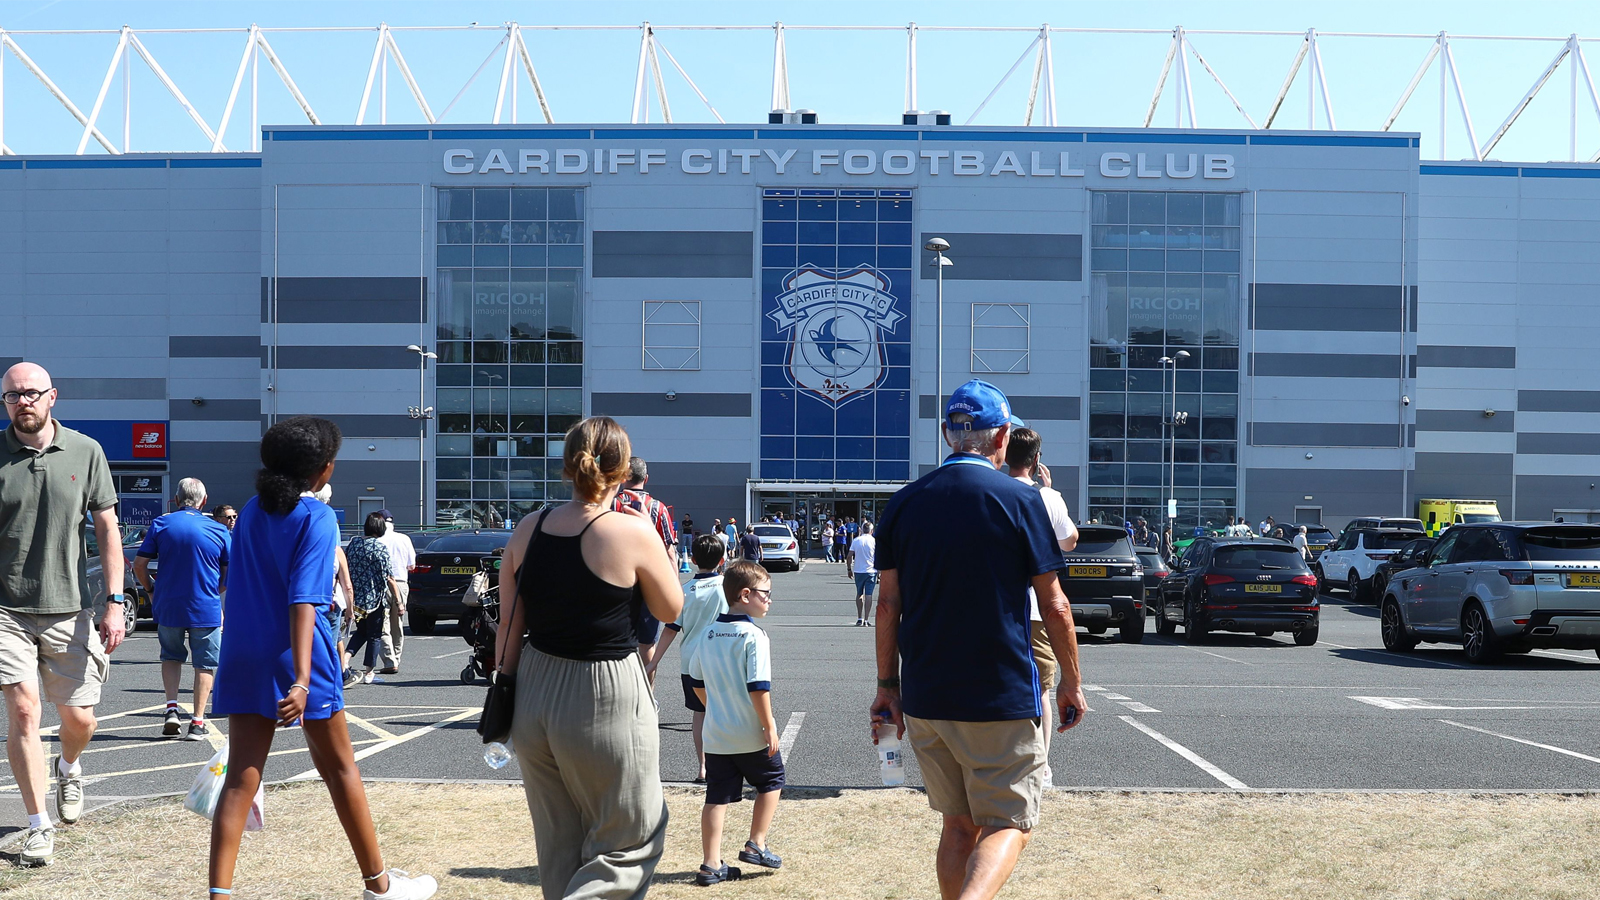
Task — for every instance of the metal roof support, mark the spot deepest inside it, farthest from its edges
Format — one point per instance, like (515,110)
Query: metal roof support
(183,101)
(411,81)
(780,68)
(1033,88)
(1184,80)
(641,100)
(1007,77)
(288,81)
(538,89)
(255,91)
(233,94)
(1572,111)
(1322,82)
(911,66)
(1161,80)
(1588,80)
(31,66)
(1218,79)
(1288,80)
(105,87)
(1049,78)
(661,84)
(481,66)
(4,150)
(378,49)
(1444,98)
(505,72)
(1433,51)
(662,49)
(127,102)
(1526,99)
(1461,99)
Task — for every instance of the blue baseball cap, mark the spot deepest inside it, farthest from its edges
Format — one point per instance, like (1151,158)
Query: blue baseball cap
(985,403)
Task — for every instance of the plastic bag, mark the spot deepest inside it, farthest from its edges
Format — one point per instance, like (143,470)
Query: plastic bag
(476,589)
(207,788)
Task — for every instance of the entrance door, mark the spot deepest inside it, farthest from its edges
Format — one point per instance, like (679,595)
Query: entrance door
(366,506)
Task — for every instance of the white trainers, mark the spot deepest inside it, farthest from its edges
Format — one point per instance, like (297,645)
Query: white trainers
(69,795)
(404,887)
(38,847)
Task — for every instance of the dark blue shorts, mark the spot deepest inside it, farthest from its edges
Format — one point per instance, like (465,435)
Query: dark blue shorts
(646,628)
(726,775)
(689,698)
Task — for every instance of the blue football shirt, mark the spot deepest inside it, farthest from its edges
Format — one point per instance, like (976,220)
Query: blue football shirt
(192,548)
(966,541)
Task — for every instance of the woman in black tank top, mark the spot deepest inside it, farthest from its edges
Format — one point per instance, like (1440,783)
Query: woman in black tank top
(585,727)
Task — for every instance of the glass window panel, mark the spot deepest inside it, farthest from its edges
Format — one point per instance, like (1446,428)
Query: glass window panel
(1220,405)
(454,445)
(453,400)
(496,256)
(491,233)
(568,256)
(527,304)
(1220,428)
(1146,404)
(1222,358)
(1107,357)
(489,423)
(566,204)
(453,255)
(454,291)
(454,375)
(1147,300)
(1146,427)
(564,352)
(1147,237)
(489,376)
(1145,357)
(1183,309)
(1148,381)
(528,445)
(453,490)
(454,467)
(779,208)
(455,203)
(1145,474)
(1222,209)
(565,401)
(492,203)
(1106,473)
(1222,382)
(1219,453)
(1218,238)
(1114,236)
(779,232)
(1183,237)
(527,352)
(1108,309)
(564,376)
(455,232)
(1185,260)
(1188,381)
(1218,475)
(1106,380)
(1106,451)
(1186,475)
(1186,452)
(1107,403)
(528,203)
(489,351)
(1110,207)
(566,315)
(1146,451)
(527,376)
(1101,260)
(1147,260)
(528,256)
(1147,207)
(455,423)
(564,233)
(527,232)
(453,351)
(1185,208)
(1107,426)
(1222,261)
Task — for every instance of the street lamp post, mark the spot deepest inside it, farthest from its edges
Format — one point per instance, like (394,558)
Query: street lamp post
(1176,419)
(938,247)
(422,414)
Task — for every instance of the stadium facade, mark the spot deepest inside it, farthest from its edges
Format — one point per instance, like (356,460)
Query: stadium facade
(754,304)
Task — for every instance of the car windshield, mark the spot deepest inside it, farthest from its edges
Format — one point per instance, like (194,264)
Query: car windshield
(1402,523)
(1470,518)
(1390,541)
(468,543)
(1318,535)
(1562,544)
(1255,556)
(772,531)
(1152,560)
(1103,542)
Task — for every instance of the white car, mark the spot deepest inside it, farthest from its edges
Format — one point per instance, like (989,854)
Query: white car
(1352,561)
(778,545)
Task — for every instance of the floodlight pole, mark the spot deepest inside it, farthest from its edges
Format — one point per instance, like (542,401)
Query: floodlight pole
(938,247)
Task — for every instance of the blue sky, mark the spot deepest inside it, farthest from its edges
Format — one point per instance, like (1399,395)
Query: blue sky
(1101,80)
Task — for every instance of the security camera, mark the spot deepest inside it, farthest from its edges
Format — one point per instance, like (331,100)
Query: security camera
(672,395)
(1488,413)
(1405,401)
(1308,456)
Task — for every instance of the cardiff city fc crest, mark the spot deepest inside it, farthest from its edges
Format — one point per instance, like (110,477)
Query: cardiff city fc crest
(835,320)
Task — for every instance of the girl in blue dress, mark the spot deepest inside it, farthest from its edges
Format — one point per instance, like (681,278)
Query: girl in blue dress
(280,662)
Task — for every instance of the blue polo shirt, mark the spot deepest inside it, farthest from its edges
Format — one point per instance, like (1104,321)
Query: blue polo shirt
(966,541)
(192,548)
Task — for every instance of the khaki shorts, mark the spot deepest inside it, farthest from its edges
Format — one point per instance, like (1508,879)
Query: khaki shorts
(63,650)
(1044,657)
(991,771)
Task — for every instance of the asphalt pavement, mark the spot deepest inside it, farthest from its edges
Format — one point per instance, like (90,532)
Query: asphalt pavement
(1236,712)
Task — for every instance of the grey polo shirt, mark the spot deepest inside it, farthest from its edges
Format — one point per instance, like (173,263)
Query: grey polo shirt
(43,498)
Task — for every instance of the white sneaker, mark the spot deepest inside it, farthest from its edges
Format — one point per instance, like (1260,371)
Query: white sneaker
(369,677)
(404,887)
(69,795)
(38,847)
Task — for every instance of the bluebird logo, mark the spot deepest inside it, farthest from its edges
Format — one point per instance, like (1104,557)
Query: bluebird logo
(834,320)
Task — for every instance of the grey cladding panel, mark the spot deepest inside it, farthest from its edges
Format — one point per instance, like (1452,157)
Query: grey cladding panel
(1009,257)
(214,410)
(1559,444)
(1341,493)
(346,300)
(346,358)
(657,404)
(1052,409)
(355,426)
(674,254)
(1325,365)
(1558,401)
(1323,434)
(1331,307)
(112,388)
(222,345)
(1465,420)
(1456,357)
(1464,475)
(703,491)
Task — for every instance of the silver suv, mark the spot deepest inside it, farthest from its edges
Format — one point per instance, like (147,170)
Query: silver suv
(1502,587)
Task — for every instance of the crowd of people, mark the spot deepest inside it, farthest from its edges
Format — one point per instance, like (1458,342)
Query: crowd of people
(585,586)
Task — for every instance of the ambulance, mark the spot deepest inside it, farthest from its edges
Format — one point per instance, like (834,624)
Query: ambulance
(1437,515)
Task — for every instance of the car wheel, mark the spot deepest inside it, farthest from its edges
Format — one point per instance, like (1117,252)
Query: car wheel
(1193,632)
(1133,630)
(1477,640)
(1322,584)
(1305,637)
(1354,585)
(1166,627)
(420,623)
(1380,583)
(1395,637)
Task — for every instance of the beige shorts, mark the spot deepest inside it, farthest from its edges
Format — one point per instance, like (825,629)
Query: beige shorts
(1044,656)
(991,771)
(62,650)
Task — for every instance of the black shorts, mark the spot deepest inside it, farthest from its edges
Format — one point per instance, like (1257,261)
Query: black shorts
(646,628)
(689,698)
(726,775)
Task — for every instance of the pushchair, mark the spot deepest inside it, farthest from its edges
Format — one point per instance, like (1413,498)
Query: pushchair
(483,619)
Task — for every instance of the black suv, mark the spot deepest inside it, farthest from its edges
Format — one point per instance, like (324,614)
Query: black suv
(1411,556)
(1105,582)
(1254,585)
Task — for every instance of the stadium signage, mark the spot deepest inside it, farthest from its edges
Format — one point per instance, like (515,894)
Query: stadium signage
(605,161)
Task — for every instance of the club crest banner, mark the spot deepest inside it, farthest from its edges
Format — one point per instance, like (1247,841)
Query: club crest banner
(835,321)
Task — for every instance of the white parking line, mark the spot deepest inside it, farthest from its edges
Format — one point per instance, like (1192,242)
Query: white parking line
(457,653)
(1188,754)
(1206,652)
(1569,654)
(1138,707)
(791,730)
(461,713)
(1562,750)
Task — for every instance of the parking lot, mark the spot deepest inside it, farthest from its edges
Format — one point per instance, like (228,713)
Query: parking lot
(1237,712)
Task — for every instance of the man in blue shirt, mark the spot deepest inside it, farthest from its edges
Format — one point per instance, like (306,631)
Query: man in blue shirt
(192,548)
(957,551)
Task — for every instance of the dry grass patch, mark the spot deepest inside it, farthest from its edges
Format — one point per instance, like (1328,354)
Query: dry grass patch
(879,845)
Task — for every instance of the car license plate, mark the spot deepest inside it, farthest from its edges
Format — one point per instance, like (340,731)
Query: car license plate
(1584,580)
(1263,589)
(1316,548)
(457,570)
(1086,571)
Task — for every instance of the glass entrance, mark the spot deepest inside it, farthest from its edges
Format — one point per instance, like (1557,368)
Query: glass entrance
(811,510)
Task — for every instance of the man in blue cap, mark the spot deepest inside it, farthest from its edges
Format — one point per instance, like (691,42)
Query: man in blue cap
(957,551)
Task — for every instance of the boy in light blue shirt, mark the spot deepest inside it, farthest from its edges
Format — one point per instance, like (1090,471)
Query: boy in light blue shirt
(734,663)
(702,603)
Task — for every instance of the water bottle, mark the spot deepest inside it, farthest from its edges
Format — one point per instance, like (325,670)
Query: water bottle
(497,755)
(891,767)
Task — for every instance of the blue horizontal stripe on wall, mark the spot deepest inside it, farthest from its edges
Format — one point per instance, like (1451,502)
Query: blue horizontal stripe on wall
(1331,140)
(345,135)
(672,134)
(472,134)
(807,133)
(1492,171)
(1560,173)
(1057,137)
(232,162)
(1164,137)
(10,163)
(108,162)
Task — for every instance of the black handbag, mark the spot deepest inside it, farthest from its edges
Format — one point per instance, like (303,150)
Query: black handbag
(501,702)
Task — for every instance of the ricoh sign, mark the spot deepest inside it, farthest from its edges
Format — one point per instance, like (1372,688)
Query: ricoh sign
(763,162)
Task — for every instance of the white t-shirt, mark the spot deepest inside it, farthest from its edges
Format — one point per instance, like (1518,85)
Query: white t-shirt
(865,548)
(1060,522)
(733,659)
(1304,545)
(402,553)
(703,601)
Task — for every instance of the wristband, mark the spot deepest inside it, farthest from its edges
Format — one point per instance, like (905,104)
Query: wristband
(119,599)
(300,686)
(889,682)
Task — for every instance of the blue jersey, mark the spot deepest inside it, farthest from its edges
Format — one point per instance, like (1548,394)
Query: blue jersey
(279,562)
(965,541)
(192,549)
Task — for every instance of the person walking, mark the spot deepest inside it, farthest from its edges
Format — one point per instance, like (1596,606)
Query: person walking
(702,603)
(341,613)
(957,550)
(585,731)
(647,628)
(732,531)
(402,559)
(1302,543)
(827,541)
(279,666)
(193,550)
(225,514)
(374,587)
(750,545)
(50,477)
(728,547)
(1024,461)
(863,551)
(841,546)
